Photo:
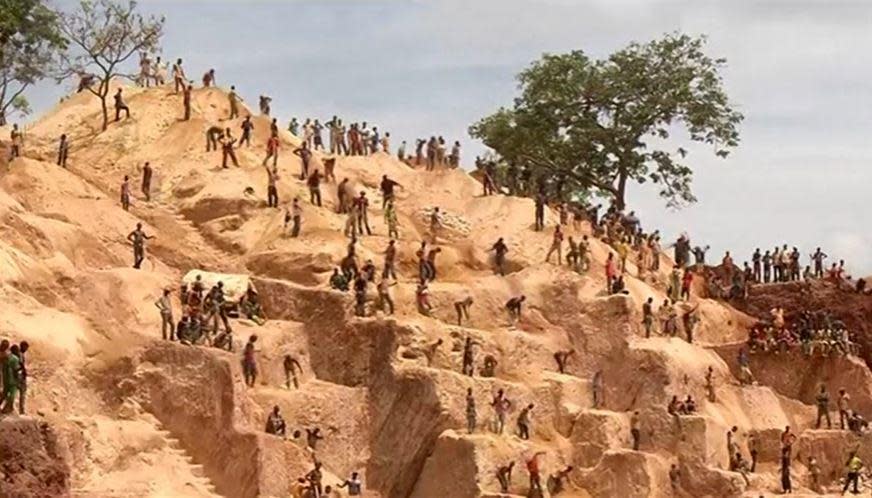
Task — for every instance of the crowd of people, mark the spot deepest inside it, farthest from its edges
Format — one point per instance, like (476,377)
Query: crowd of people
(814,332)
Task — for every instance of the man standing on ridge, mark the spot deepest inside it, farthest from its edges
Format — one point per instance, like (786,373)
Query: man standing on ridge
(138,238)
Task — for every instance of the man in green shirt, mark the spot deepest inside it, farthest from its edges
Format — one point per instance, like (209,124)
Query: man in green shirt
(11,378)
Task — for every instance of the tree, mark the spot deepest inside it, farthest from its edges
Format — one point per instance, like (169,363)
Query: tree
(30,42)
(103,35)
(593,125)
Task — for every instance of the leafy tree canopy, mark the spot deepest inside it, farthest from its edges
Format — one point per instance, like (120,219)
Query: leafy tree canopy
(30,43)
(593,125)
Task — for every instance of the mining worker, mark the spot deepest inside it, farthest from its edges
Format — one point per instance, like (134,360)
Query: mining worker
(249,364)
(562,358)
(462,309)
(648,316)
(213,137)
(390,260)
(291,366)
(470,411)
(822,400)
(513,306)
(355,487)
(855,464)
(272,151)
(387,188)
(844,412)
(555,481)
(120,106)
(166,316)
(540,210)
(63,151)
(209,78)
(556,245)
(500,249)
(179,77)
(524,422)
(233,99)
(467,366)
(362,219)
(634,429)
(314,184)
(272,192)
(275,424)
(146,180)
(295,215)
(227,142)
(504,476)
(501,406)
(247,127)
(305,155)
(314,477)
(138,238)
(533,470)
(11,378)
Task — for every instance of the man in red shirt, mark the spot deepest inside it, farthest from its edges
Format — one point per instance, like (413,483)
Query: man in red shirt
(272,150)
(686,282)
(533,469)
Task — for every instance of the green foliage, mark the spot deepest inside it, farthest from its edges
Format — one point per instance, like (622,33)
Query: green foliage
(103,35)
(592,125)
(30,42)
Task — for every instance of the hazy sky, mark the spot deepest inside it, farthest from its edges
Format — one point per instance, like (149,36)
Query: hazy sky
(799,70)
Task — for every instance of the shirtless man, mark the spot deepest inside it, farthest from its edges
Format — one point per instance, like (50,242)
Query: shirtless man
(462,309)
(291,366)
(138,238)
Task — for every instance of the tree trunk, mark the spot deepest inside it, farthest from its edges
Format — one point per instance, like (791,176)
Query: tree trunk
(621,190)
(105,112)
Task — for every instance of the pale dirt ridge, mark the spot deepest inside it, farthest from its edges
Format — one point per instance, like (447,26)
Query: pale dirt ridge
(138,417)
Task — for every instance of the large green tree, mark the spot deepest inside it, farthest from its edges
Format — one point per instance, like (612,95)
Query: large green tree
(103,35)
(30,43)
(595,125)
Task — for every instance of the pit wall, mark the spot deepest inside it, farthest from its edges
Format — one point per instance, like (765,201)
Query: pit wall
(192,392)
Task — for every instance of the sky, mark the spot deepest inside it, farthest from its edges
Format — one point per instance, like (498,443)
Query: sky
(798,70)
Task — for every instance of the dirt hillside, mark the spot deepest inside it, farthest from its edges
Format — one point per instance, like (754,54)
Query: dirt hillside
(135,415)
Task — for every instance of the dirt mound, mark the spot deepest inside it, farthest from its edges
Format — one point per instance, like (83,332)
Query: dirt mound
(33,462)
(162,419)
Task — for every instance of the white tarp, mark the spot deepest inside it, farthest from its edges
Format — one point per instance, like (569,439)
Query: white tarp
(234,285)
